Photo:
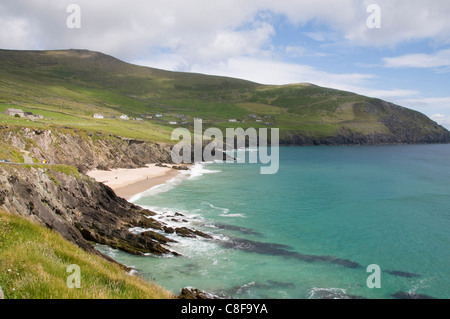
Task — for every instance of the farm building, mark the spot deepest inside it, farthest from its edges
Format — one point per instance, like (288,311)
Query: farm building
(13,112)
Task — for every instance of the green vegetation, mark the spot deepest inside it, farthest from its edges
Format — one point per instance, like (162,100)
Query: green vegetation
(9,153)
(69,87)
(34,261)
(67,170)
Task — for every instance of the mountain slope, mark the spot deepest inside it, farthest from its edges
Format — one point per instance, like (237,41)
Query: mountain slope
(70,86)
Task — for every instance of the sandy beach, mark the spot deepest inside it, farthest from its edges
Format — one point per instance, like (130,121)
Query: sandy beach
(129,182)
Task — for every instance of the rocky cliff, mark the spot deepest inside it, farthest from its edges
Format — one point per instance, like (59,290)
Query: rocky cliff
(396,125)
(62,198)
(84,151)
(81,209)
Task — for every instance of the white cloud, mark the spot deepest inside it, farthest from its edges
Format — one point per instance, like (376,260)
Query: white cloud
(295,51)
(441,119)
(275,72)
(129,29)
(436,105)
(404,21)
(435,60)
(438,109)
(16,33)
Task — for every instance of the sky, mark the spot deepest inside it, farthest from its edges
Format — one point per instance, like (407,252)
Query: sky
(396,50)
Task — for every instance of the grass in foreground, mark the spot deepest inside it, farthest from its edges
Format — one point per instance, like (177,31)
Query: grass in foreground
(34,261)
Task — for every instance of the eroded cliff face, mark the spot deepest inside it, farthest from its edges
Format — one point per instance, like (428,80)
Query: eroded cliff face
(82,210)
(85,151)
(61,197)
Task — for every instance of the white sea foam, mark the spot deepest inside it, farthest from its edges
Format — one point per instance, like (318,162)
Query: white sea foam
(170,184)
(420,284)
(137,230)
(199,170)
(195,171)
(168,214)
(328,293)
(225,212)
(133,272)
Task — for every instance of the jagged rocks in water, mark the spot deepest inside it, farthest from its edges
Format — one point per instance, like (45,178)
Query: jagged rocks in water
(82,210)
(195,294)
(168,230)
(156,236)
(180,168)
(186,232)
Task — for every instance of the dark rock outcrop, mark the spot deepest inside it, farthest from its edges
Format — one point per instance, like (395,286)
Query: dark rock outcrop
(81,210)
(196,294)
(186,232)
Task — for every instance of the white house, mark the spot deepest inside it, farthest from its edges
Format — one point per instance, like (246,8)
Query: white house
(13,112)
(232,120)
(173,123)
(158,115)
(124,117)
(98,116)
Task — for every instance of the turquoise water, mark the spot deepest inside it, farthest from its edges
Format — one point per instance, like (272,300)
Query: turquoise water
(311,230)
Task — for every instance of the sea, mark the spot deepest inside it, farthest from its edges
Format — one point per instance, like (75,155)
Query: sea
(334,222)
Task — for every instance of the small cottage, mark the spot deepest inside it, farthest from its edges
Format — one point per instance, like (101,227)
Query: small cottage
(14,112)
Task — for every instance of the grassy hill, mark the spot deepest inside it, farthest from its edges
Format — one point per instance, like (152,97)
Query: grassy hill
(34,261)
(69,87)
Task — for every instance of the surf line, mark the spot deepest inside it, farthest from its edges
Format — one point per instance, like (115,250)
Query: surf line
(214,151)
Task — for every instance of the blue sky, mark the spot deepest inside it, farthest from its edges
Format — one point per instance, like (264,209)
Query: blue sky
(325,42)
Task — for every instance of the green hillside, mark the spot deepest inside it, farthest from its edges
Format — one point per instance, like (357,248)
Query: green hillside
(34,262)
(69,87)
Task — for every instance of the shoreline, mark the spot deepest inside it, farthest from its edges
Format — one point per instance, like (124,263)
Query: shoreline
(128,183)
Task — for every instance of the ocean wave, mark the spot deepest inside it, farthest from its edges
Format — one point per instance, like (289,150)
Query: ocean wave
(162,188)
(199,170)
(195,171)
(166,212)
(225,212)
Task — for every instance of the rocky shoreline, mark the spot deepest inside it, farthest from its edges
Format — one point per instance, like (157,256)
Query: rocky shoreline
(82,210)
(86,212)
